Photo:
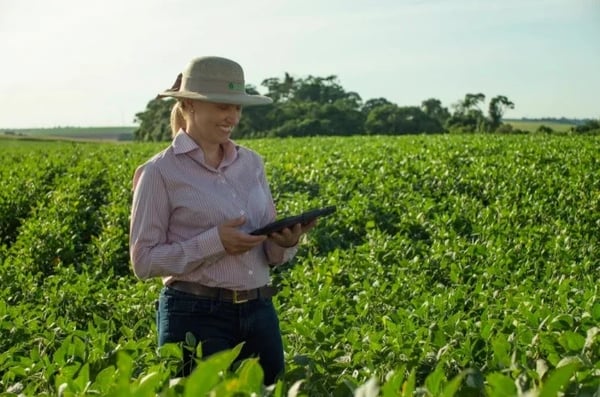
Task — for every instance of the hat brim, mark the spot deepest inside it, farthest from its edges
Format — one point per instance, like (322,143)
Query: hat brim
(234,99)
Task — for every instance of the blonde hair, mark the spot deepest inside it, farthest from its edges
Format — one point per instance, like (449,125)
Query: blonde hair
(177,119)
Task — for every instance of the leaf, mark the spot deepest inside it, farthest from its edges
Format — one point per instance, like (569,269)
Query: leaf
(501,348)
(170,350)
(147,385)
(104,379)
(190,341)
(596,312)
(278,389)
(369,389)
(83,377)
(251,375)
(500,385)
(434,381)
(409,386)
(590,338)
(561,322)
(295,389)
(572,341)
(569,360)
(541,367)
(558,380)
(208,372)
(393,383)
(124,365)
(452,387)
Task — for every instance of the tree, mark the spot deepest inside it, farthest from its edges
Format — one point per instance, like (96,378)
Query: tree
(589,126)
(496,109)
(343,117)
(311,106)
(278,90)
(318,89)
(373,103)
(471,101)
(321,106)
(467,116)
(255,119)
(394,120)
(155,121)
(433,108)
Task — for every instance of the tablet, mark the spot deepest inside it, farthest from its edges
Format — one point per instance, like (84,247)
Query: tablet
(303,218)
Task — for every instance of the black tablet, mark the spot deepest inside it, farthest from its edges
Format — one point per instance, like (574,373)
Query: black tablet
(303,218)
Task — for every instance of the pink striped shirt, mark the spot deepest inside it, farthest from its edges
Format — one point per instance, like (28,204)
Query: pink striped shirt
(178,202)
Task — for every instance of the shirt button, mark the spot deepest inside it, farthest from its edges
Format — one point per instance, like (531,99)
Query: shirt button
(250,272)
(242,212)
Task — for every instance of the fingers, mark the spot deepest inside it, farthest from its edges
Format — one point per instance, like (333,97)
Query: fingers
(249,240)
(306,227)
(241,243)
(287,237)
(235,241)
(292,232)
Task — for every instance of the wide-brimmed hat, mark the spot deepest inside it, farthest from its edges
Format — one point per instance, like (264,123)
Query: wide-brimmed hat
(214,79)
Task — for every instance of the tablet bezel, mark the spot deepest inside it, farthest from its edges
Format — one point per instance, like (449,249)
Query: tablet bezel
(303,218)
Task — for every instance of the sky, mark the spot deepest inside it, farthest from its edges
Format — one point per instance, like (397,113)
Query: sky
(98,63)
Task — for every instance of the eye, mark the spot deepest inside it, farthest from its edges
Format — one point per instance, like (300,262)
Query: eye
(227,107)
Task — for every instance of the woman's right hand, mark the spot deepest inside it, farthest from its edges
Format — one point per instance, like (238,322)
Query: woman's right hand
(235,241)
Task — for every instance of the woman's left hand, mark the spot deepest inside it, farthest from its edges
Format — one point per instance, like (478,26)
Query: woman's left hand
(290,236)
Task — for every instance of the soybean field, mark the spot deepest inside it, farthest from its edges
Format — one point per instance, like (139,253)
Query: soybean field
(454,265)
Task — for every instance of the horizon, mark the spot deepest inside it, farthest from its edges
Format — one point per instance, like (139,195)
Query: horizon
(504,119)
(69,68)
(557,120)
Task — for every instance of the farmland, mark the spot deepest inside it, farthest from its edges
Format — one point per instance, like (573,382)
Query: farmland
(123,133)
(532,126)
(454,264)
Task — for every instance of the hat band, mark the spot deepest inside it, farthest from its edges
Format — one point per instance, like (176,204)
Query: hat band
(212,86)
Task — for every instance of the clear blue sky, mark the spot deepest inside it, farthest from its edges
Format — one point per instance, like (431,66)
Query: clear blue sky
(97,63)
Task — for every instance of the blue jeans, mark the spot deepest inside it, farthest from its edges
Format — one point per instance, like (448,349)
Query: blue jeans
(219,326)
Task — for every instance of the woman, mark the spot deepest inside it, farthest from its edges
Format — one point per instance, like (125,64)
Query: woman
(193,206)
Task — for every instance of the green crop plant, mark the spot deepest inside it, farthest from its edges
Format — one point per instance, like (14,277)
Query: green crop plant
(454,265)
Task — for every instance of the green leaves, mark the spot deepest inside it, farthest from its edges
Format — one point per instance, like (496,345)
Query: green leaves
(500,385)
(558,380)
(209,372)
(455,264)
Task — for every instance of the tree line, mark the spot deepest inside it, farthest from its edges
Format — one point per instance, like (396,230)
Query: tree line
(314,105)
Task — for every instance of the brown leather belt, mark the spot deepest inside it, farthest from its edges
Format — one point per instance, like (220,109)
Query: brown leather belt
(224,294)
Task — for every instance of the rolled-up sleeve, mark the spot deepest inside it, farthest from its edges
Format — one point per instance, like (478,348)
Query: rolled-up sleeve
(152,254)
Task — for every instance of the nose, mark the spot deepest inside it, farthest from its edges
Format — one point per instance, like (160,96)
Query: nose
(234,113)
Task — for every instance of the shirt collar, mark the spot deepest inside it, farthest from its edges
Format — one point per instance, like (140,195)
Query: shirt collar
(183,143)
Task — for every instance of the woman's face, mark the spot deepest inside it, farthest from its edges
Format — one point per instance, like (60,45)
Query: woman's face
(213,123)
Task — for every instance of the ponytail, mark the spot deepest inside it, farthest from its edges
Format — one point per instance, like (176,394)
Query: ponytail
(177,119)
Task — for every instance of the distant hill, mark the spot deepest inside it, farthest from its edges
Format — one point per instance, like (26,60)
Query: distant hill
(124,133)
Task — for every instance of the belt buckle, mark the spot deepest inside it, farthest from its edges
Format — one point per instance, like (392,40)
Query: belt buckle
(236,299)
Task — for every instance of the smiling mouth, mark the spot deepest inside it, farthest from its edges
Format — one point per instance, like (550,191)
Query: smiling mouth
(226,128)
